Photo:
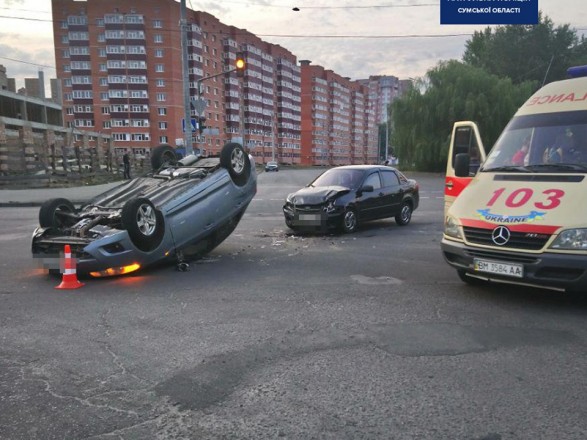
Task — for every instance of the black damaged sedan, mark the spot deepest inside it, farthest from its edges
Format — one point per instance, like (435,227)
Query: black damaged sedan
(343,197)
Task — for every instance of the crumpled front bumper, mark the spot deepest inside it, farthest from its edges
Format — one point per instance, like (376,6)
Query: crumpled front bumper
(311,220)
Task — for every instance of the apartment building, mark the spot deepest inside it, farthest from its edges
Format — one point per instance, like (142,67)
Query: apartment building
(336,119)
(121,72)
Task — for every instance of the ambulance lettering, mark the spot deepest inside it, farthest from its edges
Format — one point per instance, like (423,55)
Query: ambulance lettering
(553,99)
(550,199)
(486,215)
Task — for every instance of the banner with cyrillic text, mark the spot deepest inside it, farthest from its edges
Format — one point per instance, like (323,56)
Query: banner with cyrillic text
(489,12)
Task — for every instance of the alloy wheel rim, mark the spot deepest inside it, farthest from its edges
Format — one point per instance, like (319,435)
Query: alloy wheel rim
(146,220)
(350,220)
(237,160)
(406,213)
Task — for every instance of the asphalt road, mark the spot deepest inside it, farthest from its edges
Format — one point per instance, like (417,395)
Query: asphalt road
(277,335)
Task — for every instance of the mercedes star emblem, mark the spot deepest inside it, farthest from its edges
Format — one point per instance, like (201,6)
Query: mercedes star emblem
(500,235)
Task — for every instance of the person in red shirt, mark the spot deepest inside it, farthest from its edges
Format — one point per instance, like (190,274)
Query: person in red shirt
(520,155)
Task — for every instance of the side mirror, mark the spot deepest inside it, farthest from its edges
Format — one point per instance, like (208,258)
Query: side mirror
(461,164)
(365,188)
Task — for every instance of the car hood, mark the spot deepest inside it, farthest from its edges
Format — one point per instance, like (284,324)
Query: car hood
(315,195)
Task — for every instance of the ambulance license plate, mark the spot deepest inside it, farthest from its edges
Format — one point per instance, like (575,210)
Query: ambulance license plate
(507,269)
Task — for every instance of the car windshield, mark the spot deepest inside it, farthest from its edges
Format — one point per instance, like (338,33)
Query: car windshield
(544,143)
(339,177)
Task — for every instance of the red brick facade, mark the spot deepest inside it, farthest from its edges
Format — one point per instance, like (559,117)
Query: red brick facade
(120,65)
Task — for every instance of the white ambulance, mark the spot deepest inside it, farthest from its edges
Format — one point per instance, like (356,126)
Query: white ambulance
(518,214)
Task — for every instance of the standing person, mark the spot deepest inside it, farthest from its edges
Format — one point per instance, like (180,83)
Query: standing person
(126,163)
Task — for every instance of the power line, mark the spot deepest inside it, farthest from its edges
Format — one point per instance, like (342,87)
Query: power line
(27,62)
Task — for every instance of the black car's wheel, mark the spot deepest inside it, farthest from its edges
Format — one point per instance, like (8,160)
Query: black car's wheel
(350,222)
(469,280)
(405,214)
(144,223)
(236,160)
(163,155)
(56,213)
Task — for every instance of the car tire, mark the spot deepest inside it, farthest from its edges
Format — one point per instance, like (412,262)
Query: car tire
(54,213)
(145,224)
(163,155)
(405,214)
(472,281)
(236,160)
(350,222)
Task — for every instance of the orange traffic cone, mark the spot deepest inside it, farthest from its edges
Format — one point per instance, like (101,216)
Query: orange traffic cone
(69,280)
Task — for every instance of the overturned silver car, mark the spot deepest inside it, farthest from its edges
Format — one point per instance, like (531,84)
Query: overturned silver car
(182,208)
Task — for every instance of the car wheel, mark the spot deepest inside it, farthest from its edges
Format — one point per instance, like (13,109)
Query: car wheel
(144,223)
(349,221)
(405,214)
(235,159)
(469,280)
(56,213)
(162,156)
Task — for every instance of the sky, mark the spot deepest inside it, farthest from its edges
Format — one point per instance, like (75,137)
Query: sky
(354,38)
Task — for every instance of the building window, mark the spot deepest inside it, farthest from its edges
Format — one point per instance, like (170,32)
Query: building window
(157,24)
(103,68)
(162,111)
(163,125)
(101,38)
(100,22)
(161,97)
(160,83)
(159,68)
(159,53)
(102,52)
(162,139)
(158,38)
(83,36)
(104,96)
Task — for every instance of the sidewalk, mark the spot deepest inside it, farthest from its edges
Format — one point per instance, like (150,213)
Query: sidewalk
(36,196)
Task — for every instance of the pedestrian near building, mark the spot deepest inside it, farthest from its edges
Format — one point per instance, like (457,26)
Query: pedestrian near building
(126,165)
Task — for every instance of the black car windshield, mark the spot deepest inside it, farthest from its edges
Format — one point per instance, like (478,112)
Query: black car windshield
(339,177)
(542,143)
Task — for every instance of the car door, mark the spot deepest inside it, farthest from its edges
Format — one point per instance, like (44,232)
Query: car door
(392,194)
(369,203)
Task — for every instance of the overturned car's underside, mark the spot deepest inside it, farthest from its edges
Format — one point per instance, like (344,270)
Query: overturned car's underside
(185,207)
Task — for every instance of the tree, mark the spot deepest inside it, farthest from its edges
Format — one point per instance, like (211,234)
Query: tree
(538,52)
(452,91)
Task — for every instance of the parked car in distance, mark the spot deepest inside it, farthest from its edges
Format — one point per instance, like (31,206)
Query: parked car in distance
(343,197)
(272,166)
(183,208)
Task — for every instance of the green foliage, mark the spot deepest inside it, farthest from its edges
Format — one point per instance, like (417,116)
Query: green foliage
(501,68)
(540,52)
(423,118)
